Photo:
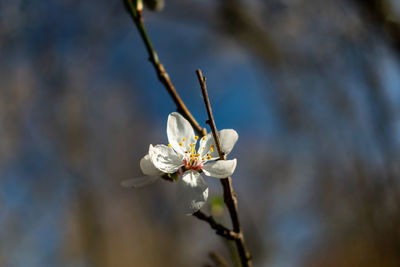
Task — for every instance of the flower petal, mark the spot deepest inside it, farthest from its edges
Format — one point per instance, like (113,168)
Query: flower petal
(205,143)
(138,182)
(192,191)
(148,167)
(180,133)
(227,137)
(165,158)
(205,147)
(219,168)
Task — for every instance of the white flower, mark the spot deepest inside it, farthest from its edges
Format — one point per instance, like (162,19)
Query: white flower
(183,160)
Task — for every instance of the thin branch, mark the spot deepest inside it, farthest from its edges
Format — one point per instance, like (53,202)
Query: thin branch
(229,194)
(135,11)
(219,228)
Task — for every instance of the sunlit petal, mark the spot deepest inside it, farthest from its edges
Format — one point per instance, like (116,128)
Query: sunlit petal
(180,133)
(165,158)
(227,137)
(148,168)
(220,168)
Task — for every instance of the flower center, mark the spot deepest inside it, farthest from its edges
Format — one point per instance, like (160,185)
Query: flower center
(193,160)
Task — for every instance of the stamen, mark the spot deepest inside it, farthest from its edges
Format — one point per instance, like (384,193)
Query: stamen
(208,157)
(196,137)
(204,138)
(211,149)
(180,143)
(184,139)
(203,158)
(169,145)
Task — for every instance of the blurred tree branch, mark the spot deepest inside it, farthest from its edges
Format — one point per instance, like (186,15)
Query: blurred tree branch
(238,21)
(380,13)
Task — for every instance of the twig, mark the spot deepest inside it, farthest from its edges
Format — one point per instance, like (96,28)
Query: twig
(135,11)
(219,228)
(229,194)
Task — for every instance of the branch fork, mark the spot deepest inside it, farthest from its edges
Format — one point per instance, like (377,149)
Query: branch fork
(229,194)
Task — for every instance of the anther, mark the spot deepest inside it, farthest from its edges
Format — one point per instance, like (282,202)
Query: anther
(169,145)
(184,139)
(180,143)
(196,137)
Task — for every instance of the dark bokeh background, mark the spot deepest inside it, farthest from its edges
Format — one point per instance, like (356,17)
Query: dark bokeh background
(312,87)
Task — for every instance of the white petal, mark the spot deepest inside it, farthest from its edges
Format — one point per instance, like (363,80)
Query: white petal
(204,142)
(138,182)
(219,168)
(192,192)
(148,167)
(180,133)
(227,137)
(205,147)
(165,158)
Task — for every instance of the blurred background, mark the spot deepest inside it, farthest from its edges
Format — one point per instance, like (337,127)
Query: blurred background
(312,87)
